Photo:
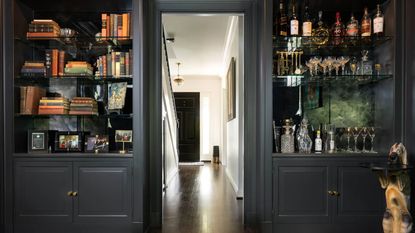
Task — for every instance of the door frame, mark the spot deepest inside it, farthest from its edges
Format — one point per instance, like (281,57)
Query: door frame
(198,118)
(254,112)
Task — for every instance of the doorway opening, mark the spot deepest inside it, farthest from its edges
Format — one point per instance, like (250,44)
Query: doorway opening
(203,122)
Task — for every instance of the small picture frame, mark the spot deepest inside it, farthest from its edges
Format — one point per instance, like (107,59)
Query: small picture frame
(97,144)
(123,136)
(38,141)
(68,142)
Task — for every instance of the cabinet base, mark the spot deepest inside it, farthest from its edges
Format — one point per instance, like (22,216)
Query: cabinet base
(78,228)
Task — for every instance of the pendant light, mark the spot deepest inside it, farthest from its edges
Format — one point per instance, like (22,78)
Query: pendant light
(178,79)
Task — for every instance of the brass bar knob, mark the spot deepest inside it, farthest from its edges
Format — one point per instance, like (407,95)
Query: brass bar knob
(70,193)
(331,193)
(335,193)
(74,194)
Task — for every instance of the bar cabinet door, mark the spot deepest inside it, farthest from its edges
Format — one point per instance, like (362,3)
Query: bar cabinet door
(300,193)
(103,191)
(360,197)
(43,192)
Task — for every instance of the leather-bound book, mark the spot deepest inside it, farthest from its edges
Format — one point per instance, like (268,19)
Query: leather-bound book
(61,66)
(30,97)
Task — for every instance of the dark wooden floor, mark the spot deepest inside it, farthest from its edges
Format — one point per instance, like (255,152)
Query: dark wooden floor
(200,199)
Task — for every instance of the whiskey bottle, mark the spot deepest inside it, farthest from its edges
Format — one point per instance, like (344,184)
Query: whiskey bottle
(307,23)
(318,148)
(366,29)
(282,29)
(321,32)
(378,22)
(338,30)
(294,30)
(352,28)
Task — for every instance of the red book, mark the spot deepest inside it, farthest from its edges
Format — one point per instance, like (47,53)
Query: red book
(104,25)
(55,62)
(61,68)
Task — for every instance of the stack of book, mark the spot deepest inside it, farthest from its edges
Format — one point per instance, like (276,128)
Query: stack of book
(43,28)
(29,99)
(83,106)
(116,25)
(79,68)
(53,106)
(116,64)
(33,68)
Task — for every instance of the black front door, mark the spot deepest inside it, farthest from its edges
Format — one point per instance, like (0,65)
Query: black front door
(187,107)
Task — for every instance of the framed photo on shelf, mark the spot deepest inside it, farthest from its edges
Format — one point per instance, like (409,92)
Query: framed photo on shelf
(68,142)
(97,144)
(123,136)
(38,141)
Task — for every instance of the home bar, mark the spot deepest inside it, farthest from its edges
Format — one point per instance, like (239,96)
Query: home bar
(328,115)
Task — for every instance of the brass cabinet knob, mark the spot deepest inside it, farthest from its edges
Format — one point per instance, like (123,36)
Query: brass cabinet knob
(74,194)
(331,193)
(335,193)
(70,193)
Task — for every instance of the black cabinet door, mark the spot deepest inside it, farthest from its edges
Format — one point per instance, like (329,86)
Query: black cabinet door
(300,193)
(104,191)
(361,198)
(42,192)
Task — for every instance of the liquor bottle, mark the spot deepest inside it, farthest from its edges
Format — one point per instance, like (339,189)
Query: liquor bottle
(366,29)
(331,142)
(294,23)
(318,148)
(352,28)
(307,23)
(378,22)
(282,29)
(338,30)
(321,32)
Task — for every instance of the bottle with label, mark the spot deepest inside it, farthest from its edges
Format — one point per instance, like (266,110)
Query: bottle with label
(331,142)
(378,22)
(338,30)
(294,23)
(321,32)
(307,23)
(366,29)
(318,148)
(352,28)
(282,28)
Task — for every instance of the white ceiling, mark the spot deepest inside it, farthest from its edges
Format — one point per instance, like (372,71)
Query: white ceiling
(199,43)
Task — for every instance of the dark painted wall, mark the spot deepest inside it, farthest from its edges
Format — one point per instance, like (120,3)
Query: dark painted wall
(1,123)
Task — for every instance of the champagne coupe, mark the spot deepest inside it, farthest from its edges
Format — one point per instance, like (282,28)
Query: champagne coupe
(353,65)
(372,138)
(364,132)
(310,67)
(356,133)
(324,65)
(330,61)
(349,134)
(316,61)
(343,60)
(337,64)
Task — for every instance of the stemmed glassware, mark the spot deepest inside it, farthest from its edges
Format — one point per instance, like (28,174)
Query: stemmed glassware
(330,61)
(310,67)
(337,64)
(343,60)
(316,61)
(324,65)
(356,133)
(353,65)
(372,138)
(364,133)
(348,135)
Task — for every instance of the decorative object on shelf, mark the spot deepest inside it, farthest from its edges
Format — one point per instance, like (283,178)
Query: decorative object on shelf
(53,106)
(123,136)
(321,34)
(366,65)
(287,138)
(43,29)
(231,89)
(29,99)
(38,141)
(331,141)
(372,139)
(397,185)
(289,63)
(318,143)
(116,97)
(304,141)
(348,135)
(97,144)
(68,35)
(178,79)
(83,106)
(69,141)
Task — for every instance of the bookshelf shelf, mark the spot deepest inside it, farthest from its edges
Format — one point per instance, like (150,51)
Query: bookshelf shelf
(85,80)
(321,80)
(109,116)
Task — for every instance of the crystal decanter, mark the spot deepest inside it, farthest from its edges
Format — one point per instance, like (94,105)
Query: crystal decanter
(304,141)
(287,139)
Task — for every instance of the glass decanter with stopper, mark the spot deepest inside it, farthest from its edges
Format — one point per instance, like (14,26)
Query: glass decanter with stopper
(320,33)
(366,66)
(287,139)
(304,141)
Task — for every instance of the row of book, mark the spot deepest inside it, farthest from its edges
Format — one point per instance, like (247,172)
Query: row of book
(43,28)
(53,106)
(83,106)
(116,25)
(117,64)
(33,68)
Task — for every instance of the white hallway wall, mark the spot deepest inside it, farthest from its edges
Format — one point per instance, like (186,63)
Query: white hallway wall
(209,87)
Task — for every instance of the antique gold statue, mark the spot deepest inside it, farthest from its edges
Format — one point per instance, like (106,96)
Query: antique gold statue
(397,218)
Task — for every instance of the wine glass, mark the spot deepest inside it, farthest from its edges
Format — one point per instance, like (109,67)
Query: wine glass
(364,133)
(343,60)
(348,135)
(372,138)
(310,67)
(356,133)
(353,65)
(337,64)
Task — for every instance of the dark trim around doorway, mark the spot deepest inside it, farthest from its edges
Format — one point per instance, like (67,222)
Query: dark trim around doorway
(253,113)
